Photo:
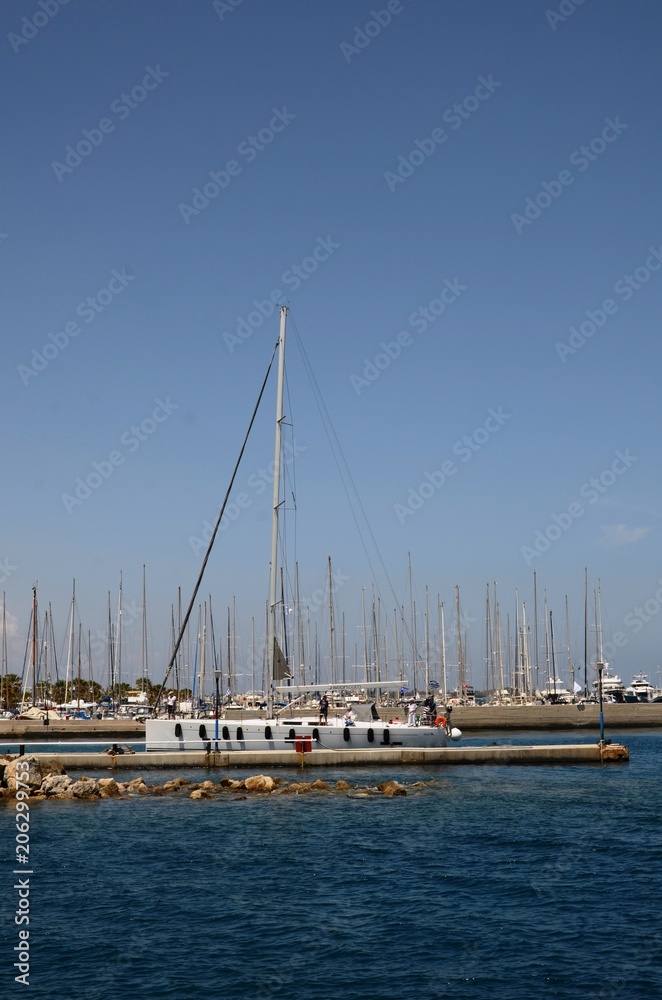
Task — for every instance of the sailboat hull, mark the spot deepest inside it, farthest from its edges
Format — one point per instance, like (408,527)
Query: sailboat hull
(303,734)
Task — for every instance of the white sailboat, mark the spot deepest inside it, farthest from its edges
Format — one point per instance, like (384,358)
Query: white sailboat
(360,729)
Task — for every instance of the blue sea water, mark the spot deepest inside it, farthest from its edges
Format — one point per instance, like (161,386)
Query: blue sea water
(508,882)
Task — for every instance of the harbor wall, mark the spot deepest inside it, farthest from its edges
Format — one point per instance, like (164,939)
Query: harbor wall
(587,753)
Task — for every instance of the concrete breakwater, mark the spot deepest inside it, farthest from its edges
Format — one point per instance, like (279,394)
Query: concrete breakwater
(35,731)
(584,753)
(557,717)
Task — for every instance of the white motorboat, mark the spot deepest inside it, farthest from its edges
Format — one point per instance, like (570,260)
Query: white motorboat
(613,688)
(641,688)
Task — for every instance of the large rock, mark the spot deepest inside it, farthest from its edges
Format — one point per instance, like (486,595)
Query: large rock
(175,784)
(232,785)
(298,788)
(49,765)
(342,786)
(108,788)
(260,783)
(200,793)
(57,786)
(320,786)
(137,786)
(30,776)
(85,788)
(391,788)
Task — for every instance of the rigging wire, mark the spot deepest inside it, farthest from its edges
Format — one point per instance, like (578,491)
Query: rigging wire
(349,486)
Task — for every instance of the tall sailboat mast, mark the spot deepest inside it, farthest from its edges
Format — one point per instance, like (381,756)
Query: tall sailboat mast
(586,632)
(70,654)
(144,664)
(4,688)
(461,680)
(442,646)
(34,645)
(366,676)
(332,674)
(273,573)
(427,640)
(118,648)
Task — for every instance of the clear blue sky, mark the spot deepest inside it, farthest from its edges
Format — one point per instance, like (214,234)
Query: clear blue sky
(463,182)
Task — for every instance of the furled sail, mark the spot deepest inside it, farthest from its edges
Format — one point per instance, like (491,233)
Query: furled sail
(281,669)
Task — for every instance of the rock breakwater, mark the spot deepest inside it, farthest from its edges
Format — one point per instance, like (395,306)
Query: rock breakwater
(45,778)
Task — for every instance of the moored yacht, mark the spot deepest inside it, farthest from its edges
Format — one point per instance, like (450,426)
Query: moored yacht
(613,688)
(641,688)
